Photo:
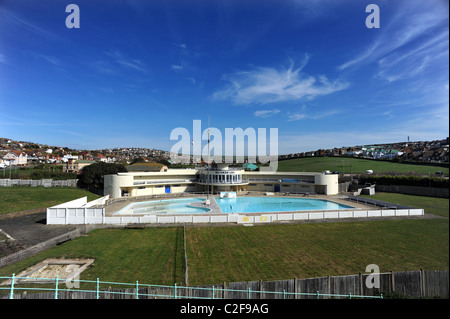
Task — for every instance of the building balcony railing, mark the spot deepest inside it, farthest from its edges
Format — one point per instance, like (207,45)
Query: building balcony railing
(276,180)
(165,181)
(205,181)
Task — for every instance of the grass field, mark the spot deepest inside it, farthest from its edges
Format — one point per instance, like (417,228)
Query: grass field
(218,254)
(152,255)
(312,250)
(264,252)
(13,199)
(358,166)
(431,205)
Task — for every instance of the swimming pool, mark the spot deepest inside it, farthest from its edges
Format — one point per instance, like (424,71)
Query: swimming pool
(275,204)
(164,207)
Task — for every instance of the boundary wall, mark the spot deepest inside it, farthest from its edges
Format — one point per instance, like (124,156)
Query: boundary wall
(87,215)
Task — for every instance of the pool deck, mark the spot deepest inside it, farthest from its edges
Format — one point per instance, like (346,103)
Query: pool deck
(113,208)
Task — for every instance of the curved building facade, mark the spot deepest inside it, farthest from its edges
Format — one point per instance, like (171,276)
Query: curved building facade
(217,179)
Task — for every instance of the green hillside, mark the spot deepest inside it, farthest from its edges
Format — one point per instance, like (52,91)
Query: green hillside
(356,165)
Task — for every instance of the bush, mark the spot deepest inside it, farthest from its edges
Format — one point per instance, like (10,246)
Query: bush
(91,177)
(52,175)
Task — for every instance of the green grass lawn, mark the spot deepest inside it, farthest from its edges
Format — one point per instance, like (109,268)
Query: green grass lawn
(431,205)
(312,250)
(264,252)
(359,166)
(271,252)
(18,198)
(151,255)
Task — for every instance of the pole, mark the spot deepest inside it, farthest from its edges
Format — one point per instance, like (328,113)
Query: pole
(137,289)
(98,286)
(56,287)
(207,180)
(11,292)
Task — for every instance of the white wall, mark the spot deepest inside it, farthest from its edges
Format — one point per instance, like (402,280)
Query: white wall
(66,216)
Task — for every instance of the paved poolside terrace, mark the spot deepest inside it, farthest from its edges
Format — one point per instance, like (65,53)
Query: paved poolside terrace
(114,207)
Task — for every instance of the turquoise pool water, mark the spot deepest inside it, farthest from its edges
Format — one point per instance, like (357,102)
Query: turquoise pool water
(275,204)
(163,207)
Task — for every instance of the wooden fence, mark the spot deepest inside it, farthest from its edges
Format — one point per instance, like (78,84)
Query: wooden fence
(406,284)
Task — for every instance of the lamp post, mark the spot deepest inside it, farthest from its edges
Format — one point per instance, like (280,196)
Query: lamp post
(207,178)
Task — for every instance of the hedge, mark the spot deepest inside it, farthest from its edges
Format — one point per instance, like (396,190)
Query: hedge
(405,180)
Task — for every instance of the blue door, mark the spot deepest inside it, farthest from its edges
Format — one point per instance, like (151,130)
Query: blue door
(167,189)
(276,188)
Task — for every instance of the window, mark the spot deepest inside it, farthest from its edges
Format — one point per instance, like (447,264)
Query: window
(268,184)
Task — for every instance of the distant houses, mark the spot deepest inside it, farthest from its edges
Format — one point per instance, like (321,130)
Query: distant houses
(76,166)
(16,158)
(434,151)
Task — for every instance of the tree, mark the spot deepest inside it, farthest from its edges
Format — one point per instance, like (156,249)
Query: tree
(92,176)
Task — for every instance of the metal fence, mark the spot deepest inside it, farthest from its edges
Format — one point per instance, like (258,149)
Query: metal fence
(102,290)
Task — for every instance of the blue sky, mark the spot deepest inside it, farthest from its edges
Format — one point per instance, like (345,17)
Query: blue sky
(135,70)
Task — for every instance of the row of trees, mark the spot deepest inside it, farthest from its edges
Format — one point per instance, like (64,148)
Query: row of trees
(405,180)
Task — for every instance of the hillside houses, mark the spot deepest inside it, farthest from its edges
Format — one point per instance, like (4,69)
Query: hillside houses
(15,158)
(428,151)
(28,153)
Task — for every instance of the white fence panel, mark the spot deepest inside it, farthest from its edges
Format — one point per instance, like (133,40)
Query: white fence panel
(184,219)
(360,214)
(300,216)
(219,219)
(402,212)
(165,219)
(331,215)
(345,214)
(316,215)
(387,212)
(374,213)
(200,219)
(415,212)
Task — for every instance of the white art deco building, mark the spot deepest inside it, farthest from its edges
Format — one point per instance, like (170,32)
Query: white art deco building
(218,179)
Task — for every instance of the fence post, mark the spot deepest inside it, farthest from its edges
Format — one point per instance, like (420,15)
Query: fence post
(175,290)
(98,284)
(56,287)
(248,295)
(11,292)
(284,293)
(317,294)
(213,292)
(137,289)
(349,295)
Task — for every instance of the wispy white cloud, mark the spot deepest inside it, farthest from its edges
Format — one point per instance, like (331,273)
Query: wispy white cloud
(428,125)
(50,59)
(129,63)
(263,85)
(416,28)
(266,113)
(176,67)
(28,25)
(314,116)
